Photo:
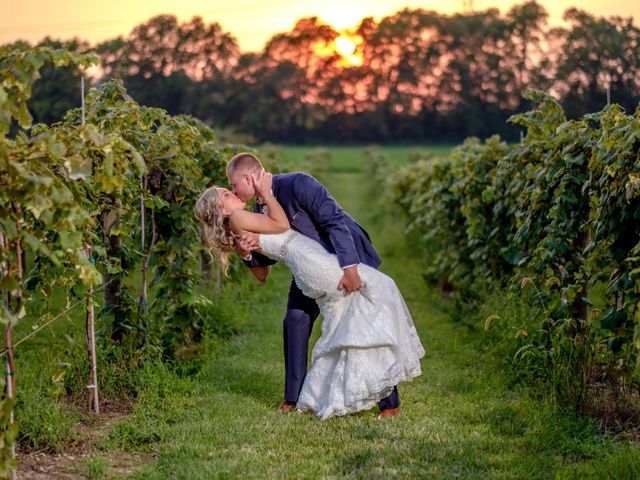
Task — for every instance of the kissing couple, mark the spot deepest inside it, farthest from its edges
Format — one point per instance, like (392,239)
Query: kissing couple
(368,341)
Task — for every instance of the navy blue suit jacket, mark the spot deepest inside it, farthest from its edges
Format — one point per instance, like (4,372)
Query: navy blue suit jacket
(312,211)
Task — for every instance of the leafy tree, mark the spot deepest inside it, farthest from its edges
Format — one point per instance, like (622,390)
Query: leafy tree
(162,46)
(529,57)
(290,78)
(598,53)
(173,65)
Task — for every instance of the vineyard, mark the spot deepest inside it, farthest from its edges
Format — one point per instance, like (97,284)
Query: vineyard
(535,246)
(91,205)
(553,225)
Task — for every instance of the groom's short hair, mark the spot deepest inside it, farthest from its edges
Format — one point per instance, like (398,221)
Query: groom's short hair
(244,161)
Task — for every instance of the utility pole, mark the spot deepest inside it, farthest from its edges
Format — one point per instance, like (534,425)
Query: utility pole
(467,6)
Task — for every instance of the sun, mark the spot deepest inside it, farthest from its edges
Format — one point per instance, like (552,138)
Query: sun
(346,45)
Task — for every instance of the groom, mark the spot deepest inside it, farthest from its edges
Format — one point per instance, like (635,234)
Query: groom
(313,212)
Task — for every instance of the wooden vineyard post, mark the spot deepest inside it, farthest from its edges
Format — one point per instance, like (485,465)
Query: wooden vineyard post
(82,108)
(10,373)
(142,307)
(146,252)
(90,330)
(90,324)
(10,383)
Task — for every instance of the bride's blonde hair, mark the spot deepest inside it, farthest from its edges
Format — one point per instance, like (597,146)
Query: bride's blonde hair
(215,233)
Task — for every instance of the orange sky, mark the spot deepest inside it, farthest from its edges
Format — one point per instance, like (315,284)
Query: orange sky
(252,22)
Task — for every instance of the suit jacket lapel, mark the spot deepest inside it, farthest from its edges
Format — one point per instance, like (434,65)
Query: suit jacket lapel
(276,185)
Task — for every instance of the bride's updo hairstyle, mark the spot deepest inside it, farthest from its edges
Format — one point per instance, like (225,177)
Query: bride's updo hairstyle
(215,233)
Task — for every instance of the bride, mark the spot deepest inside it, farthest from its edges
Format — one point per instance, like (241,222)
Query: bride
(368,342)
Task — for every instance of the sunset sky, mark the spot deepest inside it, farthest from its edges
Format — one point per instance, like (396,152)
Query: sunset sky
(252,22)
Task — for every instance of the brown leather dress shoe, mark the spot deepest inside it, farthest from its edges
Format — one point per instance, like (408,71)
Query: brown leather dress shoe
(287,407)
(389,412)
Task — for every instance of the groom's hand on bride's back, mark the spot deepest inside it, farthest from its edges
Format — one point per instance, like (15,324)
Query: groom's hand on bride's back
(350,281)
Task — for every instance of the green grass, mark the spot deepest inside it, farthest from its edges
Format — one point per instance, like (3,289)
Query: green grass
(350,159)
(52,374)
(96,468)
(460,419)
(45,364)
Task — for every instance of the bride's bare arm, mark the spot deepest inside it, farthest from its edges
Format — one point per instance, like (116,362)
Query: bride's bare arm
(275,221)
(242,221)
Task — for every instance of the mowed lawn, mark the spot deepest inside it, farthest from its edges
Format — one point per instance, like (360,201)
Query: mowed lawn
(460,419)
(351,160)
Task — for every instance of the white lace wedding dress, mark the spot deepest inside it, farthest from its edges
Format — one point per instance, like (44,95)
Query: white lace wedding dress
(368,343)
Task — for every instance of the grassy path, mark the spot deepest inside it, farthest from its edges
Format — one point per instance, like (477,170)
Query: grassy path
(459,420)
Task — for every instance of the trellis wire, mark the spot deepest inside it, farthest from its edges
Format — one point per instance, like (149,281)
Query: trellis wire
(36,330)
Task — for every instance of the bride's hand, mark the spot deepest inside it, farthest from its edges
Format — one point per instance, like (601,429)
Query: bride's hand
(263,183)
(247,243)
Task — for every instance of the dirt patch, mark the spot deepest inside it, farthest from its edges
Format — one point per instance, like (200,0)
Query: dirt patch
(85,459)
(614,404)
(69,466)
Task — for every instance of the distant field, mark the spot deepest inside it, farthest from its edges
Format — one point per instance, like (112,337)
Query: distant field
(350,159)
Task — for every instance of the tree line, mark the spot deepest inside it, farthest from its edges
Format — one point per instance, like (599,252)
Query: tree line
(424,76)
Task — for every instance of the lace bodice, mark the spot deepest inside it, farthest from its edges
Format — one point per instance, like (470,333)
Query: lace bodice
(275,245)
(316,271)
